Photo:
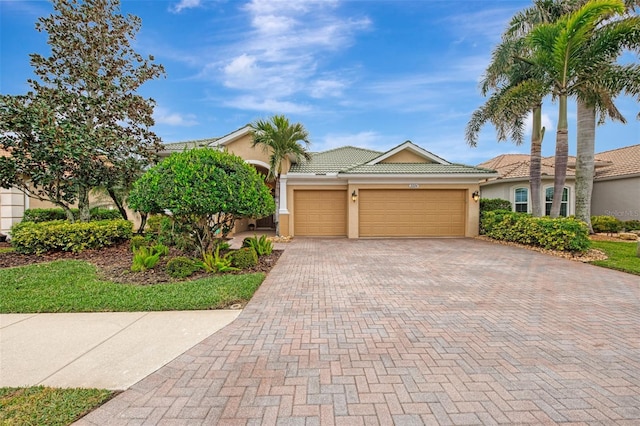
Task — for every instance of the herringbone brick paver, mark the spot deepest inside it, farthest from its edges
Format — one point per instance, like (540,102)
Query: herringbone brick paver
(426,331)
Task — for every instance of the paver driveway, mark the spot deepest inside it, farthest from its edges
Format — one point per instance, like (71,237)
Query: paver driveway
(450,331)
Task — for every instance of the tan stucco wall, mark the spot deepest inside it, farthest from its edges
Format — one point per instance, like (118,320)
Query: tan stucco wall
(405,156)
(242,148)
(619,198)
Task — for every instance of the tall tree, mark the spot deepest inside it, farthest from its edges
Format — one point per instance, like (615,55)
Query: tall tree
(597,92)
(281,140)
(83,121)
(559,50)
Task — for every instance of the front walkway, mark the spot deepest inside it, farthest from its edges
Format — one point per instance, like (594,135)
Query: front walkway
(449,331)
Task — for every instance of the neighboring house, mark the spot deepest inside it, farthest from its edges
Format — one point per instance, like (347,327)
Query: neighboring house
(616,186)
(354,192)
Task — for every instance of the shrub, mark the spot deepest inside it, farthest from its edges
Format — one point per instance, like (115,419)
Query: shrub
(38,238)
(262,245)
(245,258)
(565,234)
(48,215)
(492,204)
(608,224)
(182,267)
(631,225)
(138,241)
(205,190)
(214,262)
(144,258)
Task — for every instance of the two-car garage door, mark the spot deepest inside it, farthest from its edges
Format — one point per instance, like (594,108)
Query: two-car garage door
(382,212)
(411,213)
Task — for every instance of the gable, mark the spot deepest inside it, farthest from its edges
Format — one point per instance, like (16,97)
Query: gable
(406,156)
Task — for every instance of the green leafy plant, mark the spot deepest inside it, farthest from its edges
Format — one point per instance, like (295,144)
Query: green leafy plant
(262,245)
(491,204)
(631,225)
(564,234)
(215,262)
(38,238)
(608,224)
(182,267)
(145,257)
(245,258)
(138,241)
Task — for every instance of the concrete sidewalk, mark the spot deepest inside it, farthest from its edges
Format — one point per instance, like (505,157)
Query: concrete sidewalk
(98,350)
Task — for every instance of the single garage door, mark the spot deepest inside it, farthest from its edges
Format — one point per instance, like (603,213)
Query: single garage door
(412,213)
(320,212)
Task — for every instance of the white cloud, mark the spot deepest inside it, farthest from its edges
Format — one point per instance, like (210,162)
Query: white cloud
(547,123)
(270,105)
(324,88)
(164,116)
(185,4)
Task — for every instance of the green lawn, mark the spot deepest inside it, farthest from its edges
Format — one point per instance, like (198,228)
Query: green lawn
(73,286)
(622,256)
(40,405)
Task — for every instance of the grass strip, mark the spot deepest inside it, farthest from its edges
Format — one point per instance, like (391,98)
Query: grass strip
(41,405)
(622,256)
(73,286)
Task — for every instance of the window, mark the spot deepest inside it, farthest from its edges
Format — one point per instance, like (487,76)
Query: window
(522,200)
(548,194)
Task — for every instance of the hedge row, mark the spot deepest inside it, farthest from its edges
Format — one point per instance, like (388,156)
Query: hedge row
(48,215)
(565,234)
(610,224)
(38,238)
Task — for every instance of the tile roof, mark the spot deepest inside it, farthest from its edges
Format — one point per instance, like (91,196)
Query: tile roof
(609,164)
(334,160)
(352,160)
(618,162)
(181,146)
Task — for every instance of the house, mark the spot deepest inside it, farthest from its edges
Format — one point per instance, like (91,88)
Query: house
(352,192)
(616,185)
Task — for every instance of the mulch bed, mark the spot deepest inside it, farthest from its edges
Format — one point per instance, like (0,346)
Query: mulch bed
(114,264)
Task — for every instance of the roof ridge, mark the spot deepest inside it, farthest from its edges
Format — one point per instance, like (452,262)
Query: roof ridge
(344,147)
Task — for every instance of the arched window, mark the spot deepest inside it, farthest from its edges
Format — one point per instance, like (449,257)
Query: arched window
(521,200)
(548,196)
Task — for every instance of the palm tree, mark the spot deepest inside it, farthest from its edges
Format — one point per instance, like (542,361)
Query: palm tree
(281,140)
(560,50)
(596,97)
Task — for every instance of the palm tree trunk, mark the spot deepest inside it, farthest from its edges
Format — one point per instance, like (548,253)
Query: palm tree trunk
(562,154)
(585,166)
(276,198)
(535,178)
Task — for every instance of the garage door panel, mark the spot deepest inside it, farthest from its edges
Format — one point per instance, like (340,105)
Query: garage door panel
(411,213)
(320,212)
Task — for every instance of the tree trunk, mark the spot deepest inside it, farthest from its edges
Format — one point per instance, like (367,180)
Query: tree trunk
(143,222)
(276,198)
(562,154)
(83,204)
(118,202)
(585,166)
(535,178)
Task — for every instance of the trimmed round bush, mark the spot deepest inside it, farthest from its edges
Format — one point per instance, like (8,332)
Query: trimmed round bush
(608,224)
(182,267)
(245,258)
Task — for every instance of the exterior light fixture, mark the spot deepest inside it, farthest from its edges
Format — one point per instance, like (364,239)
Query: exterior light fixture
(476,196)
(354,196)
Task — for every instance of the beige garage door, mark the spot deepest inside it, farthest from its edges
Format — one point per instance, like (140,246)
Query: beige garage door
(412,213)
(320,213)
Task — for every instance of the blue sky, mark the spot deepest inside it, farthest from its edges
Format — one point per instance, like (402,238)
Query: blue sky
(364,73)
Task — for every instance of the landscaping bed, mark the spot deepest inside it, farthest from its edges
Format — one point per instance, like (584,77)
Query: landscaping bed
(114,263)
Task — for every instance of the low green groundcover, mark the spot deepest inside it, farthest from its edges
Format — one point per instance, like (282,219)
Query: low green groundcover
(73,286)
(48,406)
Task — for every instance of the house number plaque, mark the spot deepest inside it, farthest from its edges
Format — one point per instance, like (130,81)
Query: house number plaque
(414,185)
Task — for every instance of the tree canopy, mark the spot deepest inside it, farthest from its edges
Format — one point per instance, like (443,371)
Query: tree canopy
(205,190)
(82,125)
